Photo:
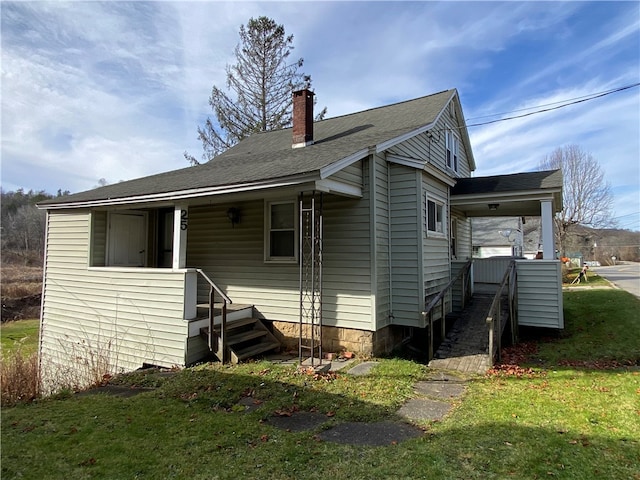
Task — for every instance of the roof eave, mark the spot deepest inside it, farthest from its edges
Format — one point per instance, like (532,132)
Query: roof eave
(343,163)
(464,132)
(381,147)
(186,194)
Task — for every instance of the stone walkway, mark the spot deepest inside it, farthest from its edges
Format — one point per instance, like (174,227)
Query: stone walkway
(433,400)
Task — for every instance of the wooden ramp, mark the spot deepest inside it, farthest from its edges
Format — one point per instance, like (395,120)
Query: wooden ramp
(466,346)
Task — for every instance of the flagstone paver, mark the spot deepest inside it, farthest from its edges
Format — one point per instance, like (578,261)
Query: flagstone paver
(440,390)
(372,434)
(298,421)
(363,368)
(424,409)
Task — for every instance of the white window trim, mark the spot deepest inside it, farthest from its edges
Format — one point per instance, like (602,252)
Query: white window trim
(439,203)
(267,233)
(452,144)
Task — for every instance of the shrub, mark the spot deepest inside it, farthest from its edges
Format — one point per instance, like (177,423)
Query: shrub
(19,378)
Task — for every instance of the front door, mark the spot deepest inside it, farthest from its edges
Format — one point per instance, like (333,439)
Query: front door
(127,239)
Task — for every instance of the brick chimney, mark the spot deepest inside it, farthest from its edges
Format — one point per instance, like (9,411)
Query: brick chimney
(302,118)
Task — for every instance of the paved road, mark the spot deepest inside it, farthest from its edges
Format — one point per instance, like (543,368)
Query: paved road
(625,276)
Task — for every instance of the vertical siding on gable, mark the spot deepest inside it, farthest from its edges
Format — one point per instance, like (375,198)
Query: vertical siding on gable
(234,258)
(96,321)
(404,215)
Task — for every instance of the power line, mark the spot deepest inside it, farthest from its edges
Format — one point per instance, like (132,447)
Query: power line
(552,103)
(627,215)
(564,103)
(617,246)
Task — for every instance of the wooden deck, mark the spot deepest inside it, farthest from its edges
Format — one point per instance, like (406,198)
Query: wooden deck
(466,346)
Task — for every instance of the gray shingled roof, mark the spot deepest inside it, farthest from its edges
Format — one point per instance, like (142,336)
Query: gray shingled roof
(543,180)
(269,156)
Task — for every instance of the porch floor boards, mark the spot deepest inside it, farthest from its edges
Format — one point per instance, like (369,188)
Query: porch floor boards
(466,346)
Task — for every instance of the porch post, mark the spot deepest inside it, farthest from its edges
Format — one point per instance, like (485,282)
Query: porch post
(180,225)
(548,243)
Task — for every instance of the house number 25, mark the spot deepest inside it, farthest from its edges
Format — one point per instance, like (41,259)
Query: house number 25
(184,220)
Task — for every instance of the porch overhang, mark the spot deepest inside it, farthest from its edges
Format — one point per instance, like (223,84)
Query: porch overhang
(298,182)
(515,195)
(504,205)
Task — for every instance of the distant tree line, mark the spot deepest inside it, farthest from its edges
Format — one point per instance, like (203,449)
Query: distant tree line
(23,225)
(603,245)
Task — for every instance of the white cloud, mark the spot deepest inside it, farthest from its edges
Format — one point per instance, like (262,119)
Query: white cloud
(117,89)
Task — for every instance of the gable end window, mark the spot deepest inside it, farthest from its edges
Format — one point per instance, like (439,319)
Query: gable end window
(281,232)
(452,150)
(435,216)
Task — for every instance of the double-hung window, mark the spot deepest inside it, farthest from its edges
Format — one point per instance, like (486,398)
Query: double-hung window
(452,150)
(435,216)
(280,234)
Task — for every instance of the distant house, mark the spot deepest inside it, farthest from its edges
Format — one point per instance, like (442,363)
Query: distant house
(331,233)
(505,236)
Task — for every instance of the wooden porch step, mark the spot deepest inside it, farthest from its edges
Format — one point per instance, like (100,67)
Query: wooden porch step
(255,350)
(238,312)
(235,324)
(234,339)
(246,337)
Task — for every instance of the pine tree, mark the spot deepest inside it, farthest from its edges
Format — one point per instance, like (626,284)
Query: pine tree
(259,89)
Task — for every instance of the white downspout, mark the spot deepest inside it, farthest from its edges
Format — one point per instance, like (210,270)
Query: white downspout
(389,242)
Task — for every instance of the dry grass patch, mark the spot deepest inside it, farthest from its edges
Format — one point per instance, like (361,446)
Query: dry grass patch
(19,378)
(21,288)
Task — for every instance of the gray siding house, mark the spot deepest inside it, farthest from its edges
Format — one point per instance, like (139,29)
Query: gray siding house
(344,226)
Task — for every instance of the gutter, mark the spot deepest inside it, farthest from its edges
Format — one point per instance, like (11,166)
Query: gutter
(182,194)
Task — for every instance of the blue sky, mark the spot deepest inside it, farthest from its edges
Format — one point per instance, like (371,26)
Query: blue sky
(116,90)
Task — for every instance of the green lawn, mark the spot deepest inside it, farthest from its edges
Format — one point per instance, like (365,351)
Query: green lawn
(571,411)
(593,279)
(19,335)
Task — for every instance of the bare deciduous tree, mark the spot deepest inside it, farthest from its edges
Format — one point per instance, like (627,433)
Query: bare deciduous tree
(587,198)
(260,84)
